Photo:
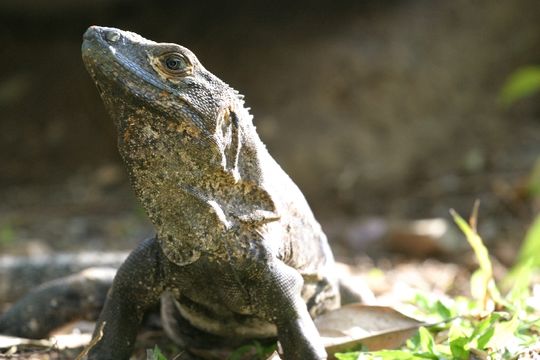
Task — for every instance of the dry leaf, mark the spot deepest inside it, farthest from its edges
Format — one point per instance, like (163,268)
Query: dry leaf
(377,327)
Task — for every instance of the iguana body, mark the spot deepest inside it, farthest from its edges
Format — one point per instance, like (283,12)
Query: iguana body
(237,254)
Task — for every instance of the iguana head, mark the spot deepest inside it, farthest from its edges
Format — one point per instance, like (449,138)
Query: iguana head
(190,147)
(159,94)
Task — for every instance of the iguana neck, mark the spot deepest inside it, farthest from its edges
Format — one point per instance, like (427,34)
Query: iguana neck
(194,206)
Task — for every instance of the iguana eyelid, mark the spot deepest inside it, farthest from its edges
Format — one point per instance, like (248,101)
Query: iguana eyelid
(183,71)
(158,64)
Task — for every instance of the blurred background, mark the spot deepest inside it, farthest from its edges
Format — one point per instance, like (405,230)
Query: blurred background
(384,112)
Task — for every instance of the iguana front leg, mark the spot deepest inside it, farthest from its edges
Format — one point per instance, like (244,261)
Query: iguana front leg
(278,296)
(136,287)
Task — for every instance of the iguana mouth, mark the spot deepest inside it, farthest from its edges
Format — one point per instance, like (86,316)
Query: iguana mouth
(127,74)
(97,41)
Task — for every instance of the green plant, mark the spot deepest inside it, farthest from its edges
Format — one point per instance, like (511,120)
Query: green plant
(521,83)
(485,326)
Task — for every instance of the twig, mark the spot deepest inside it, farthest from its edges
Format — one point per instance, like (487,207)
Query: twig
(473,219)
(92,342)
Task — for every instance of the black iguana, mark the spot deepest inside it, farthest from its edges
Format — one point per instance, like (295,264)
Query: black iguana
(238,254)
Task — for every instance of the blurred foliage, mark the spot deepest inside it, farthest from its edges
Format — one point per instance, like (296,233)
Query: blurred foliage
(483,286)
(155,354)
(529,254)
(253,351)
(523,82)
(7,234)
(533,185)
(486,326)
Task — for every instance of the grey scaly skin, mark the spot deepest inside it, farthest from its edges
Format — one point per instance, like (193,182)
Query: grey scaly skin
(238,254)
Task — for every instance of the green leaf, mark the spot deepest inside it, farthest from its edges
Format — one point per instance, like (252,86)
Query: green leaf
(7,234)
(476,243)
(504,334)
(484,331)
(458,342)
(443,311)
(414,342)
(521,278)
(485,338)
(531,245)
(522,83)
(240,352)
(256,351)
(264,351)
(478,284)
(384,355)
(157,354)
(533,185)
(483,278)
(485,325)
(421,301)
(427,343)
(458,348)
(347,356)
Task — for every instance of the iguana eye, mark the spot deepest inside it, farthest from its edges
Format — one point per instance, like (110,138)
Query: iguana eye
(176,64)
(173,63)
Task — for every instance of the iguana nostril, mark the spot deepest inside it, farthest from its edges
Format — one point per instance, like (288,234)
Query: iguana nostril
(112,36)
(91,32)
